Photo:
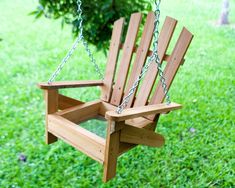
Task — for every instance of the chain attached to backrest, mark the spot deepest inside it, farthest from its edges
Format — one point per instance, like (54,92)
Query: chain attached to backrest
(71,51)
(154,58)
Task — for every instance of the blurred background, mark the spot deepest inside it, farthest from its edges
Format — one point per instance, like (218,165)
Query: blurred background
(200,141)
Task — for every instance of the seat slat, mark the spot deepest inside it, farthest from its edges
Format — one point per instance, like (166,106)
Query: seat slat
(126,58)
(150,77)
(141,54)
(112,59)
(172,66)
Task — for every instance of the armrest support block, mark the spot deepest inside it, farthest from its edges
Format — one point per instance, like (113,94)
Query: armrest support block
(141,111)
(70,84)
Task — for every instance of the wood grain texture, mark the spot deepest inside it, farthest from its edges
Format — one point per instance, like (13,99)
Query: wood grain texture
(104,107)
(141,55)
(70,84)
(136,48)
(141,136)
(134,125)
(112,60)
(126,58)
(111,150)
(172,66)
(150,77)
(165,58)
(67,102)
(51,100)
(135,112)
(82,112)
(83,140)
(139,123)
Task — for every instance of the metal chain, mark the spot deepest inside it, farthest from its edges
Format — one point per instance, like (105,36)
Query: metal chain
(92,59)
(154,57)
(71,51)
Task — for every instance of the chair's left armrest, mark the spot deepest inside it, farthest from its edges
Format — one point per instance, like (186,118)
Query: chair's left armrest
(70,84)
(141,111)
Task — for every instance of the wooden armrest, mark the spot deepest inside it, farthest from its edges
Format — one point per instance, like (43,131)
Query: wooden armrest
(70,84)
(141,111)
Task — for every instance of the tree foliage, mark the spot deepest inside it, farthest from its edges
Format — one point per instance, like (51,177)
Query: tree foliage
(98,15)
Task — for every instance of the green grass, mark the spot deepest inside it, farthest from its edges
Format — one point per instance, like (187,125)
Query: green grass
(205,85)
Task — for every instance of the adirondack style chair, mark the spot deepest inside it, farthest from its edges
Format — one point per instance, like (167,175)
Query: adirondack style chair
(137,123)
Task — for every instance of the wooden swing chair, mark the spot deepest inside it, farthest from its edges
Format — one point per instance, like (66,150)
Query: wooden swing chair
(126,128)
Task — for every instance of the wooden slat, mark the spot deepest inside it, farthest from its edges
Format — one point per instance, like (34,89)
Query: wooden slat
(104,107)
(67,102)
(136,48)
(83,140)
(70,84)
(150,52)
(126,58)
(141,54)
(51,100)
(124,147)
(140,123)
(112,60)
(172,67)
(150,77)
(135,112)
(141,136)
(81,112)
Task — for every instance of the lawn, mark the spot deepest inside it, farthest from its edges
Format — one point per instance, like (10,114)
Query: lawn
(200,138)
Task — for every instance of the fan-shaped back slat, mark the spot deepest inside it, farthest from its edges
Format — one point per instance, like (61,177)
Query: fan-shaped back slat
(150,77)
(112,60)
(172,66)
(141,54)
(114,93)
(126,58)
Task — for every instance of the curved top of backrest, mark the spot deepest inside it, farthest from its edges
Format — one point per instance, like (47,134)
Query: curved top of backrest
(119,79)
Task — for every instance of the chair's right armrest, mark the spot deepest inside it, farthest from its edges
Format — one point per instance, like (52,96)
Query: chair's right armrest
(135,112)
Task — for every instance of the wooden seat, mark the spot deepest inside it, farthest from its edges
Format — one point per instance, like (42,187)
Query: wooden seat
(136,124)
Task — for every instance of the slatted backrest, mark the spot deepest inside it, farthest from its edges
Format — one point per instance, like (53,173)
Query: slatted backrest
(172,66)
(150,77)
(112,60)
(141,54)
(126,58)
(114,93)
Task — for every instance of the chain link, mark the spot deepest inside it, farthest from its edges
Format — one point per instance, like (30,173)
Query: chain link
(154,58)
(92,59)
(71,51)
